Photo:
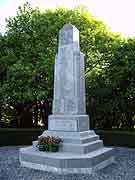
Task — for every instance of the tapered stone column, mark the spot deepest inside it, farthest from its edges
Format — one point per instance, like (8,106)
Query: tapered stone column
(81,150)
(69,109)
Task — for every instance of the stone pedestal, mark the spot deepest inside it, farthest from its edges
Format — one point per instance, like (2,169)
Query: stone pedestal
(81,150)
(68,123)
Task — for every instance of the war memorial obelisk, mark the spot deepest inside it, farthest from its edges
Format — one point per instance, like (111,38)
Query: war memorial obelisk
(81,150)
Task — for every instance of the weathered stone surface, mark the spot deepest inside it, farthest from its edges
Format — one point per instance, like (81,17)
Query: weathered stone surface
(69,83)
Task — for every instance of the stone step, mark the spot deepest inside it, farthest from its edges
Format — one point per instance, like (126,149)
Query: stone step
(81,140)
(81,148)
(76,140)
(63,134)
(63,162)
(89,139)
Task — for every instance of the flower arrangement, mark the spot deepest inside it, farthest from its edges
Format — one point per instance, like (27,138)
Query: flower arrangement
(49,143)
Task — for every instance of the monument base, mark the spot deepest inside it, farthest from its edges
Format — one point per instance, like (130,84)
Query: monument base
(66,163)
(80,152)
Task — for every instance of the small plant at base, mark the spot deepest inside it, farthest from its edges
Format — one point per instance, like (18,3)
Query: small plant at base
(49,143)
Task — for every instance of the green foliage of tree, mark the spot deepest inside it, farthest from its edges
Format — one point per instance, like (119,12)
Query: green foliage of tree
(113,91)
(27,53)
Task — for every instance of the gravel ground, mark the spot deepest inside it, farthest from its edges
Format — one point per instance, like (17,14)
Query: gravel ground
(10,169)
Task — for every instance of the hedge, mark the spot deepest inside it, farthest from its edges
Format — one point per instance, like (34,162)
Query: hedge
(18,136)
(10,137)
(117,138)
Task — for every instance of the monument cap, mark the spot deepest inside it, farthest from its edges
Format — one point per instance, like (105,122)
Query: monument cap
(68,34)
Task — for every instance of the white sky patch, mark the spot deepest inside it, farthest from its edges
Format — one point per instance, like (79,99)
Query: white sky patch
(7,10)
(117,14)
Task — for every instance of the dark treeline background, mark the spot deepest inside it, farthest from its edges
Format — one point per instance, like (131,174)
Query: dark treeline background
(27,53)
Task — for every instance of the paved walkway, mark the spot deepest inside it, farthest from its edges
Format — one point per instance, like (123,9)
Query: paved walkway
(10,169)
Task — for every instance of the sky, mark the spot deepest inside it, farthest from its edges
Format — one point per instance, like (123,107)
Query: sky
(118,15)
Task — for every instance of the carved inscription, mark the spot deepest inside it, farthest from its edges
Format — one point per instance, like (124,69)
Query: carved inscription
(63,125)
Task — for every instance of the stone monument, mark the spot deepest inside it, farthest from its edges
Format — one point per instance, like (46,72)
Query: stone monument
(81,150)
